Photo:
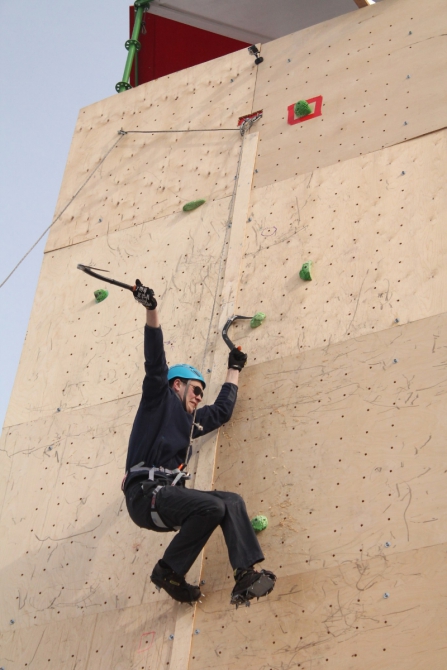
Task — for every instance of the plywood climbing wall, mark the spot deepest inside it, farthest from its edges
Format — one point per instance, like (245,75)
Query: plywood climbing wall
(376,78)
(339,429)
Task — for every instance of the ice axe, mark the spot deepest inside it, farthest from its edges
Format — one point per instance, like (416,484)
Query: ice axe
(255,321)
(142,294)
(90,271)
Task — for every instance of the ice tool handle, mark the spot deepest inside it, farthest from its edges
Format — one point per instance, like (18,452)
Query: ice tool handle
(90,271)
(226,327)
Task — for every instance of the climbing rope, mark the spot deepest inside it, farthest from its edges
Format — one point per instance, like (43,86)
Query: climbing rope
(60,213)
(227,233)
(121,134)
(188,130)
(244,128)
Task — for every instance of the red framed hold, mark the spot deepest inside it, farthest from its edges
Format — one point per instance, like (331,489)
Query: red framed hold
(317,111)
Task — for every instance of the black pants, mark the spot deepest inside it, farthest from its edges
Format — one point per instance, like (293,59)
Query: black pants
(197,513)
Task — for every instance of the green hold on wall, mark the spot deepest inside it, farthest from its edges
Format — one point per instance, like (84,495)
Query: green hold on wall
(302,108)
(257,319)
(259,523)
(306,271)
(193,205)
(101,294)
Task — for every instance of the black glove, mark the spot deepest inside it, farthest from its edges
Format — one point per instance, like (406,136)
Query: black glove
(236,359)
(144,295)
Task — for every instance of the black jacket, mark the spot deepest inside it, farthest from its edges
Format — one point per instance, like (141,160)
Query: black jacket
(162,428)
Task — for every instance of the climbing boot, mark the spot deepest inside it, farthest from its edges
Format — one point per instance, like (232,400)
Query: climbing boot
(175,585)
(251,584)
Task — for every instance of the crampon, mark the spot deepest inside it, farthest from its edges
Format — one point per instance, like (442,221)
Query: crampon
(251,584)
(175,585)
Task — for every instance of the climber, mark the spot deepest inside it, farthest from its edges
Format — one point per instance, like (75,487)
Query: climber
(167,421)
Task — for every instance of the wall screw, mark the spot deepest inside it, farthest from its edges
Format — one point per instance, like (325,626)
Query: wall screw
(208,370)
(58,409)
(203,581)
(403,172)
(289,60)
(171,637)
(197,631)
(411,32)
(231,80)
(395,360)
(408,76)
(405,123)
(386,595)
(248,220)
(50,448)
(11,621)
(387,544)
(255,170)
(396,320)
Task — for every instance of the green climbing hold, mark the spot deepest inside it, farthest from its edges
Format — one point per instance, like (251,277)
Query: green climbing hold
(306,271)
(257,319)
(259,523)
(101,294)
(302,108)
(193,205)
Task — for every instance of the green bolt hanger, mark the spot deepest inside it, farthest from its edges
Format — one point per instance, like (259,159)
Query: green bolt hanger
(133,45)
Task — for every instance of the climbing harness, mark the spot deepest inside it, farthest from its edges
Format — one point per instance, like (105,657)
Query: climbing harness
(168,477)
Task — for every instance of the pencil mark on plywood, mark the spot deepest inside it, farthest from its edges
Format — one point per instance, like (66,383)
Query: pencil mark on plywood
(417,449)
(357,303)
(409,495)
(37,648)
(68,537)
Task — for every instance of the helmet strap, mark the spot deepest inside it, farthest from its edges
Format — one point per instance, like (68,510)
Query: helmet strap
(185,394)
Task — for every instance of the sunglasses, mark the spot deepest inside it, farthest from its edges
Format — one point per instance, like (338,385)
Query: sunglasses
(198,392)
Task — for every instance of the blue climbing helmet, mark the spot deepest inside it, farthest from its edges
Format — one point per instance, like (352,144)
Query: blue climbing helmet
(185,371)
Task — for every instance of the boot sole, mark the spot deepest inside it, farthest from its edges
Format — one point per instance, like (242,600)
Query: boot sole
(262,587)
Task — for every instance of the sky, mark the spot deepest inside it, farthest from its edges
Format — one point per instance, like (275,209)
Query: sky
(56,57)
